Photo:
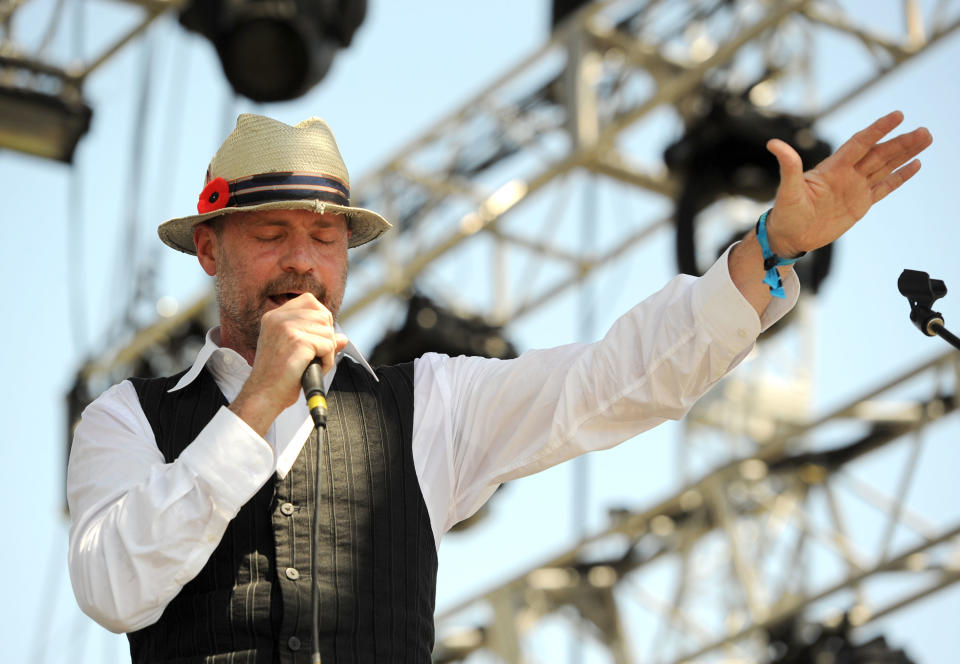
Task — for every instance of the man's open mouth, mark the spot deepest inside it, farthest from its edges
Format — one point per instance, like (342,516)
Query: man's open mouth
(282,298)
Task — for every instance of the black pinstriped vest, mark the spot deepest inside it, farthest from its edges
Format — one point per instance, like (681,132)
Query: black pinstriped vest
(250,604)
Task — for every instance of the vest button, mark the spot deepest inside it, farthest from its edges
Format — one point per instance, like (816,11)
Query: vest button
(293,643)
(287,508)
(292,574)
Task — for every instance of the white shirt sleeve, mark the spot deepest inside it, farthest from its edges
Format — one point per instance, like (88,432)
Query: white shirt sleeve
(142,528)
(481,422)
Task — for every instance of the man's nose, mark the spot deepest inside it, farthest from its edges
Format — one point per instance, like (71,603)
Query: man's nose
(297,258)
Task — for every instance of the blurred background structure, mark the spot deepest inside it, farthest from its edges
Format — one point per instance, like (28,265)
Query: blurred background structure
(795,516)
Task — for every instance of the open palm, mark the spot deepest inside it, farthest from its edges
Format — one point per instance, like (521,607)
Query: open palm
(816,207)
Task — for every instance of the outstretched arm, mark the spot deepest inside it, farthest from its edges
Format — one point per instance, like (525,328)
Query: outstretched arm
(814,208)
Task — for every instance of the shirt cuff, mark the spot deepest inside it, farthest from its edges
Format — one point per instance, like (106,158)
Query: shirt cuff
(232,458)
(720,306)
(725,311)
(780,307)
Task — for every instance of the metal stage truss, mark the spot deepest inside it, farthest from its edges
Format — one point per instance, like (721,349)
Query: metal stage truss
(107,47)
(568,111)
(572,116)
(710,573)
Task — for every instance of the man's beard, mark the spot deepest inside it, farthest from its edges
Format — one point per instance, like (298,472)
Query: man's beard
(244,313)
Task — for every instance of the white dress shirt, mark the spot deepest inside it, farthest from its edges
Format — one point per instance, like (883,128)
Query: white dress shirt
(142,528)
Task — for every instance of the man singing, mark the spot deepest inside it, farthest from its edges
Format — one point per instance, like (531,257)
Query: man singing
(192,496)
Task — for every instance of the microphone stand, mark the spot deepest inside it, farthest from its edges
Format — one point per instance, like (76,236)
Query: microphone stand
(317,403)
(921,292)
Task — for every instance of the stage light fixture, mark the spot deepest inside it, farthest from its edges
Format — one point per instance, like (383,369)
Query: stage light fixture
(42,111)
(793,643)
(430,328)
(723,153)
(563,8)
(275,50)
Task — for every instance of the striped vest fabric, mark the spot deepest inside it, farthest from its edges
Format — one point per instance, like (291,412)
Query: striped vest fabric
(250,604)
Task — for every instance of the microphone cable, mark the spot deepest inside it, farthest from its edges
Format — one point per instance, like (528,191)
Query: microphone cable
(317,403)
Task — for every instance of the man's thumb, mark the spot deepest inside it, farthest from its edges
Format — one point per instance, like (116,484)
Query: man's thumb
(791,166)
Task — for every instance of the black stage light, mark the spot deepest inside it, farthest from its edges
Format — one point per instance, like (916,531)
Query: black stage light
(275,50)
(816,644)
(429,328)
(723,153)
(42,111)
(564,8)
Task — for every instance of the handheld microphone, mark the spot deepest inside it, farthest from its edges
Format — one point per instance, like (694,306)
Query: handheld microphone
(312,383)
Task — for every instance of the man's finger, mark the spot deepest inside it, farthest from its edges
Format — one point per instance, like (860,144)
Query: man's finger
(328,348)
(310,301)
(894,180)
(327,352)
(889,156)
(864,140)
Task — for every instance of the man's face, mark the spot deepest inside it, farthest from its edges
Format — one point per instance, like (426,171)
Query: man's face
(263,259)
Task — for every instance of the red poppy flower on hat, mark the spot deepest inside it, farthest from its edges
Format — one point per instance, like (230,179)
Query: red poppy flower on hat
(214,196)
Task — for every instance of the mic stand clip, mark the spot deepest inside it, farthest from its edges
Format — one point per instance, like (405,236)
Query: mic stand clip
(921,292)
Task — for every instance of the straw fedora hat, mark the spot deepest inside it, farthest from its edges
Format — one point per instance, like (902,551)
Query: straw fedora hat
(265,164)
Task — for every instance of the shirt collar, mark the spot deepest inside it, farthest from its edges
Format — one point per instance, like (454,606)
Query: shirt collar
(212,345)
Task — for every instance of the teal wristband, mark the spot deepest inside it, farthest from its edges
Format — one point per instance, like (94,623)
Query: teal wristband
(770,260)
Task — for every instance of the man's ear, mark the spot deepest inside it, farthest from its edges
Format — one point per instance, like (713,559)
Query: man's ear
(205,240)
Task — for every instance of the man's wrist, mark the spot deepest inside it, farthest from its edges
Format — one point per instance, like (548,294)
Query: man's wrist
(775,239)
(772,262)
(257,412)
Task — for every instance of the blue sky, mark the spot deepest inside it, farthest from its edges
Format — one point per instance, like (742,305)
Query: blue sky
(409,65)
